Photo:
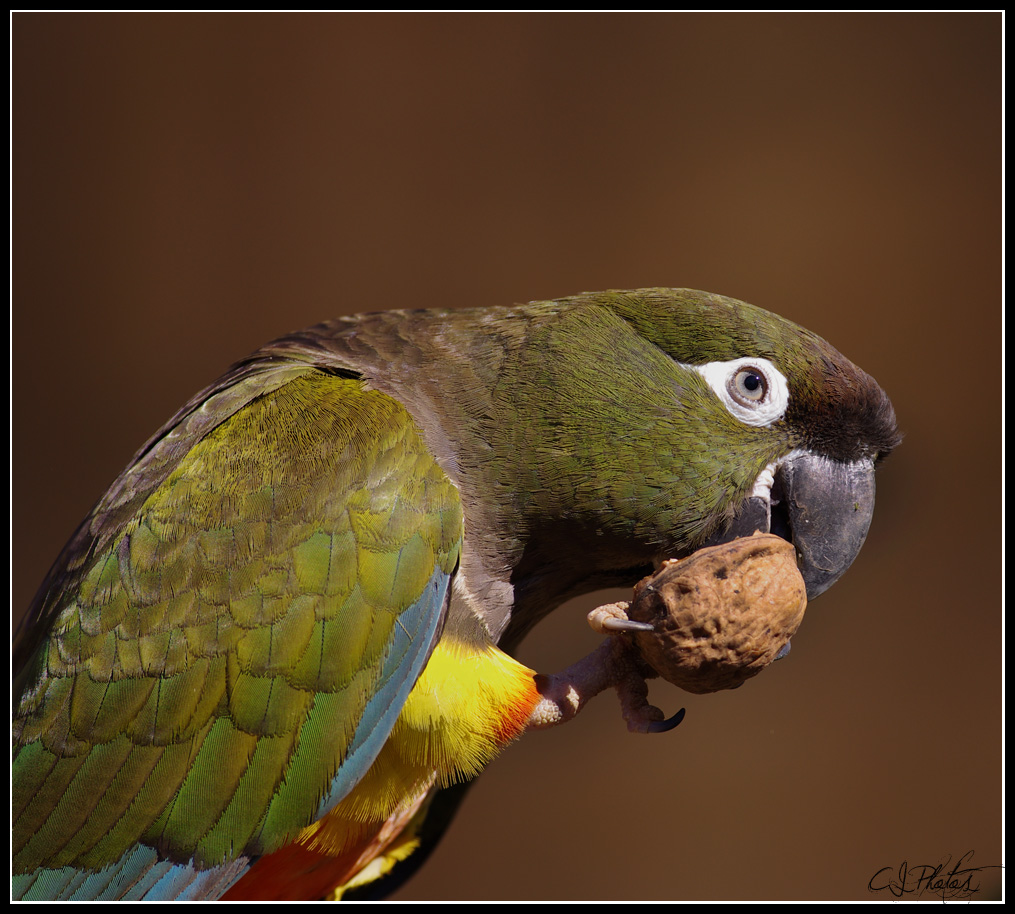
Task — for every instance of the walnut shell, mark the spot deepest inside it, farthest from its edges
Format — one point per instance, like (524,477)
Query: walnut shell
(722,615)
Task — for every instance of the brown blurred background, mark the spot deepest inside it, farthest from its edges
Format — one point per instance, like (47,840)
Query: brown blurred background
(187,187)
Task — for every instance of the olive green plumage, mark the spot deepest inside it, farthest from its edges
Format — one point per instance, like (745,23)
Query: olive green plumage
(224,646)
(246,608)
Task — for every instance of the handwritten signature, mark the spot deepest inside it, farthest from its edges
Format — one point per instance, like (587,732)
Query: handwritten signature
(961,881)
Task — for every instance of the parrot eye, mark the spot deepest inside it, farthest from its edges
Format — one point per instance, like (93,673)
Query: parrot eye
(748,386)
(753,390)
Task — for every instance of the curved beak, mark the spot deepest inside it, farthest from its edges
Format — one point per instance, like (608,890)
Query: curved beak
(823,506)
(828,507)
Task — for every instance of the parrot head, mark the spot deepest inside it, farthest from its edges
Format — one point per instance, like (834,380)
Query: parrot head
(825,422)
(651,423)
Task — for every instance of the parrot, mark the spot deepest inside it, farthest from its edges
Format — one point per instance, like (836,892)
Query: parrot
(285,634)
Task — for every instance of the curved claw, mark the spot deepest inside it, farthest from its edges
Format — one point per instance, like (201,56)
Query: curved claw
(784,651)
(664,726)
(613,624)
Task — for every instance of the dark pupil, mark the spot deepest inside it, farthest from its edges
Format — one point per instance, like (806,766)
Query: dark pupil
(752,382)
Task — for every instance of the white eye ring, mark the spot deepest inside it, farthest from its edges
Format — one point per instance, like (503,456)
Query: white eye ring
(752,389)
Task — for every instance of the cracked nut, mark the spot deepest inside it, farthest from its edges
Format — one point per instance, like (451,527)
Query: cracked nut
(722,615)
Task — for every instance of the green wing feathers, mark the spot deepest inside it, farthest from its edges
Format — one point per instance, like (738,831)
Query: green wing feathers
(208,669)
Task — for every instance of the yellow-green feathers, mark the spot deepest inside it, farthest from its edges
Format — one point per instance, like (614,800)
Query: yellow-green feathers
(214,670)
(468,703)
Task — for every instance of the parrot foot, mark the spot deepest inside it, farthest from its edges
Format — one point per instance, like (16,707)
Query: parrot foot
(629,674)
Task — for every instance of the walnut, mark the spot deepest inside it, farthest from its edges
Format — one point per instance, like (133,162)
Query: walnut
(708,622)
(722,615)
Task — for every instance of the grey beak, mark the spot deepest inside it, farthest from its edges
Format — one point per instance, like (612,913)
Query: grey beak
(828,506)
(823,506)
